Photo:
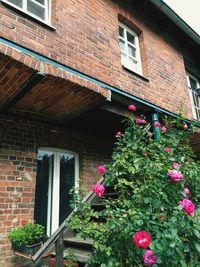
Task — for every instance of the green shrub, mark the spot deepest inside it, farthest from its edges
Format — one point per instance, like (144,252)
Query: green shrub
(28,234)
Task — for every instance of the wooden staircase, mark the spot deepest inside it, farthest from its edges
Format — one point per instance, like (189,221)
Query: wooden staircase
(64,241)
(80,247)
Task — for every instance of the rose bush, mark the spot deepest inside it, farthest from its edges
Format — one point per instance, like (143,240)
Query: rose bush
(147,201)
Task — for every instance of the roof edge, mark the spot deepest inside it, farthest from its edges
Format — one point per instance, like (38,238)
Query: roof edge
(173,16)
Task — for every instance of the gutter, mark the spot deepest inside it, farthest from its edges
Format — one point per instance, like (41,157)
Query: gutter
(91,79)
(164,8)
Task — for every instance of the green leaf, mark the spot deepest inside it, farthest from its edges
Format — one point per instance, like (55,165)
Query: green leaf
(197,246)
(196,233)
(172,244)
(139,222)
(146,200)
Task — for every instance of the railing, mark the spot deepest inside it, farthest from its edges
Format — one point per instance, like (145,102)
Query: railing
(56,239)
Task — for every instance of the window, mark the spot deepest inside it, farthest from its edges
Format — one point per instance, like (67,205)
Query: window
(129,47)
(39,9)
(193,84)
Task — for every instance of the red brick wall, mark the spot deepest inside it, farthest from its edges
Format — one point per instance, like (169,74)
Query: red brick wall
(19,142)
(86,38)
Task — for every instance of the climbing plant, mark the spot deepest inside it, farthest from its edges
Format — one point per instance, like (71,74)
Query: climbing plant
(155,221)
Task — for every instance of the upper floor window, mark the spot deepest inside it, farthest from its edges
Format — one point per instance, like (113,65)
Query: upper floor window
(130,50)
(193,84)
(39,9)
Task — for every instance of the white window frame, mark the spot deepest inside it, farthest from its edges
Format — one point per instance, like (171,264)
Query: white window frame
(24,9)
(54,187)
(193,94)
(127,60)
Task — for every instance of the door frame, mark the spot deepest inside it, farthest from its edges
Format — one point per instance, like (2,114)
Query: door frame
(54,187)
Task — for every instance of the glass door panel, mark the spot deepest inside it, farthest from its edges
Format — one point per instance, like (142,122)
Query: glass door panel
(67,182)
(44,177)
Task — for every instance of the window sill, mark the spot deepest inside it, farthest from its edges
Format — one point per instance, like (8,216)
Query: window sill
(27,15)
(136,74)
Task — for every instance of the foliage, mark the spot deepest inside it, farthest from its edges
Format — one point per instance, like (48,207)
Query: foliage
(27,234)
(71,259)
(147,200)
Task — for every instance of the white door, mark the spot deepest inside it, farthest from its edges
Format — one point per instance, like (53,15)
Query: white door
(57,173)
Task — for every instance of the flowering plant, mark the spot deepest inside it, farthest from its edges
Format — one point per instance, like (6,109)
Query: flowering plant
(149,260)
(175,175)
(188,206)
(153,222)
(142,239)
(101,169)
(27,234)
(98,189)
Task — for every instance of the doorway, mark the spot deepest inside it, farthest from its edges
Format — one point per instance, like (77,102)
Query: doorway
(57,174)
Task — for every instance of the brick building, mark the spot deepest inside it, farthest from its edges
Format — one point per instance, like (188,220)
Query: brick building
(68,70)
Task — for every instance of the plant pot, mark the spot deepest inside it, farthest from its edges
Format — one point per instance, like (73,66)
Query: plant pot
(27,249)
(66,263)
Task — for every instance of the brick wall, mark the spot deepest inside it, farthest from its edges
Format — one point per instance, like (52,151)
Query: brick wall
(18,152)
(86,38)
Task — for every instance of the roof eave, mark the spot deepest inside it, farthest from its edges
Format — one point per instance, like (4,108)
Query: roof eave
(164,8)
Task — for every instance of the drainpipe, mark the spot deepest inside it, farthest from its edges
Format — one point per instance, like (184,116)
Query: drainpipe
(156,130)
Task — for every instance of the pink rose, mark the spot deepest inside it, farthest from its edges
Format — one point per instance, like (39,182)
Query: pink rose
(140,121)
(175,175)
(185,126)
(98,189)
(149,260)
(186,191)
(176,165)
(101,169)
(132,108)
(167,149)
(157,124)
(163,129)
(188,206)
(118,134)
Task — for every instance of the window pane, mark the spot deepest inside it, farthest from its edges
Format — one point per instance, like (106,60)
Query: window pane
(130,38)
(67,179)
(40,1)
(122,45)
(43,187)
(121,32)
(131,51)
(16,2)
(198,114)
(195,99)
(193,83)
(133,61)
(35,9)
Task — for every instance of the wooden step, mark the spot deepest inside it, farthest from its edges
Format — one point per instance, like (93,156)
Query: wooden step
(110,195)
(76,241)
(98,206)
(81,255)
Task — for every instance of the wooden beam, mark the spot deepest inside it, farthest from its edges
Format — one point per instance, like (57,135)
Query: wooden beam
(117,109)
(26,87)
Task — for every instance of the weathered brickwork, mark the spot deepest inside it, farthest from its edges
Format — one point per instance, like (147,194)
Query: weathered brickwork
(86,38)
(20,140)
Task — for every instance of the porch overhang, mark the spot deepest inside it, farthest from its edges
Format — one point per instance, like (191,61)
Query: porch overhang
(33,88)
(194,140)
